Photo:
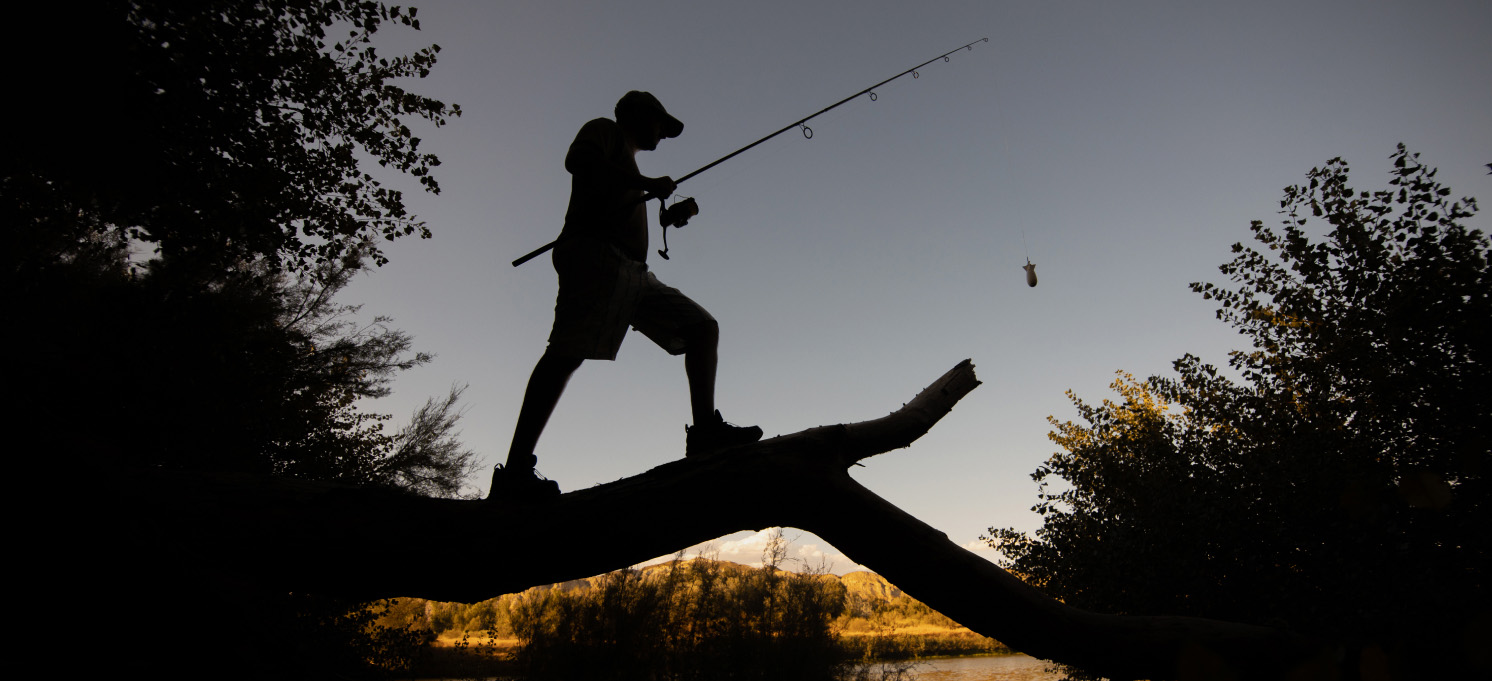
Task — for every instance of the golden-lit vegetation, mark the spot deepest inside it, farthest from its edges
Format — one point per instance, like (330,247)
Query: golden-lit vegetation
(689,617)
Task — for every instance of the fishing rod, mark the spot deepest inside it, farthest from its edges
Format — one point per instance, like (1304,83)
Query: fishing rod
(678,217)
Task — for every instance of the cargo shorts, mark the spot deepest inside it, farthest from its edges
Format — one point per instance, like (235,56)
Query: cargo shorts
(603,292)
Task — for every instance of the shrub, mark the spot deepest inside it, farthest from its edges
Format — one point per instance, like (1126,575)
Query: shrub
(696,619)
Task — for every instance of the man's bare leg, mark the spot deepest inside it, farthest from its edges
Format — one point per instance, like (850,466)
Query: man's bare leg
(545,386)
(709,432)
(700,363)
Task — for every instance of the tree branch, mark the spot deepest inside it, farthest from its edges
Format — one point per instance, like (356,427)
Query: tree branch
(317,537)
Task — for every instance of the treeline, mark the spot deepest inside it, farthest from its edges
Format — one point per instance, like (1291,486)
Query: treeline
(698,618)
(1333,477)
(192,191)
(171,267)
(863,613)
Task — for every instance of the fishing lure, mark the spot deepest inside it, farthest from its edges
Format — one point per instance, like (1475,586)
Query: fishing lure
(1030,267)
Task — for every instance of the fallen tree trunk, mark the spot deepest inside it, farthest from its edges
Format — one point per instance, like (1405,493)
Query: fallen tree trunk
(322,538)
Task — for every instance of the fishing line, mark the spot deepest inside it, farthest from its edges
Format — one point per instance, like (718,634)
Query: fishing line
(1030,267)
(676,218)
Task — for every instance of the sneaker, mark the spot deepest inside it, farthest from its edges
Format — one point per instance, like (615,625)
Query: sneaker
(521,484)
(708,438)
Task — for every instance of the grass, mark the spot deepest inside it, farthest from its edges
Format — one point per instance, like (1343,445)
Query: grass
(920,643)
(479,656)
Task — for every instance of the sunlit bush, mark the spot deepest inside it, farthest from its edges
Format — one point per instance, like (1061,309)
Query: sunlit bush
(694,619)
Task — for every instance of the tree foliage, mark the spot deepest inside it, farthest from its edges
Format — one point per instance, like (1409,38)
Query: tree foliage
(224,131)
(186,188)
(1337,480)
(229,137)
(701,619)
(259,372)
(337,361)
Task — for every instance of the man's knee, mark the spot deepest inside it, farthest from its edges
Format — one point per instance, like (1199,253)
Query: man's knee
(553,362)
(705,334)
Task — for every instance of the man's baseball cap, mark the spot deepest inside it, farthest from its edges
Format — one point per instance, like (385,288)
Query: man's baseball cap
(637,102)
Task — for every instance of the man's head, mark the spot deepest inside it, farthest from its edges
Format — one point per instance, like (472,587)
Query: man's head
(639,113)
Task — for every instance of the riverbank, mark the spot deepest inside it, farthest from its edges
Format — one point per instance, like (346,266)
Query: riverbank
(918,642)
(480,656)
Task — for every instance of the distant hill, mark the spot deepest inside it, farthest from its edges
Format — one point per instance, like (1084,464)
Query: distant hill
(869,586)
(863,584)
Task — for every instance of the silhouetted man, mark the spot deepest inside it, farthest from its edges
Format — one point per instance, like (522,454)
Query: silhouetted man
(605,286)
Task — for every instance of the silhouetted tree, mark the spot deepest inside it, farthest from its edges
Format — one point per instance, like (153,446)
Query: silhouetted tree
(1340,482)
(701,619)
(185,189)
(257,372)
(336,362)
(218,132)
(227,136)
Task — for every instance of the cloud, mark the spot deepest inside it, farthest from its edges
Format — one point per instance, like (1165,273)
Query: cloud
(982,549)
(977,545)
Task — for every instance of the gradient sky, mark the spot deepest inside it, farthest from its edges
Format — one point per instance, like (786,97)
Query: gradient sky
(1130,142)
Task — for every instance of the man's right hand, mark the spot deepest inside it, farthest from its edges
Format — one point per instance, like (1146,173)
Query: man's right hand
(660,187)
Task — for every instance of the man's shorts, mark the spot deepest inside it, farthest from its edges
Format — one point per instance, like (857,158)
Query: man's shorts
(602,292)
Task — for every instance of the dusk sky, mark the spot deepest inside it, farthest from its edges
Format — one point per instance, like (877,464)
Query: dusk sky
(1131,143)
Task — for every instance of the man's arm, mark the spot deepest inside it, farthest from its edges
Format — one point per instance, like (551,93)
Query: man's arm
(588,157)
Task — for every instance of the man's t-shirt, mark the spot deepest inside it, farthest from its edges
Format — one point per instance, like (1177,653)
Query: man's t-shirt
(600,207)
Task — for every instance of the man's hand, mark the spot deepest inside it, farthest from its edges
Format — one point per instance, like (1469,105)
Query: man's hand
(659,187)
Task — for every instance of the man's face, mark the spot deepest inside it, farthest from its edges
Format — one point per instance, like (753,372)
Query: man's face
(647,132)
(653,133)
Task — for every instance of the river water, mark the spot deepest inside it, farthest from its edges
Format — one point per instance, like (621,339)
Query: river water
(986,668)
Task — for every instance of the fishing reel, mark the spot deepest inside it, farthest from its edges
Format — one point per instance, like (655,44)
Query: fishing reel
(676,215)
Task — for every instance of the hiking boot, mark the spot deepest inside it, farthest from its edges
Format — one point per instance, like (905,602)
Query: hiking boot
(713,436)
(521,484)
